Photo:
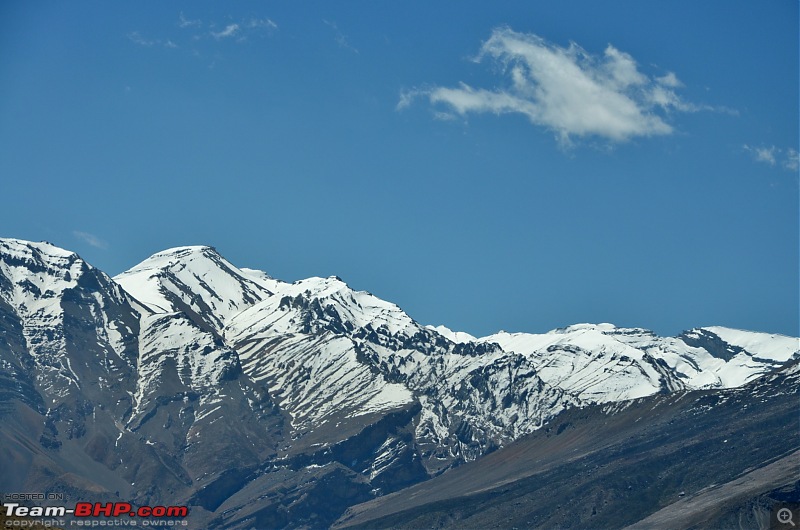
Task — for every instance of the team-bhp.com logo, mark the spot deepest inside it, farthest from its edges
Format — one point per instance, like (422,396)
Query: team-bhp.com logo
(148,515)
(117,509)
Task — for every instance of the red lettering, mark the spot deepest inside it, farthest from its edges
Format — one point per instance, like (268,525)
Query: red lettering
(117,509)
(177,511)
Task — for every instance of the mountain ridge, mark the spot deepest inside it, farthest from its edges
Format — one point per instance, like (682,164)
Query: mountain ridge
(148,373)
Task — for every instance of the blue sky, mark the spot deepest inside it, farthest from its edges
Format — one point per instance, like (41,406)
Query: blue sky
(508,165)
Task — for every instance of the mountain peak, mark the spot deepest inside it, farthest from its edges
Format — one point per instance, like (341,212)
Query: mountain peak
(197,278)
(183,253)
(726,343)
(239,383)
(605,326)
(39,267)
(188,249)
(459,337)
(44,249)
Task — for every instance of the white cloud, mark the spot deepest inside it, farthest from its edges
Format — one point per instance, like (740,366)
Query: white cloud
(406,98)
(772,156)
(136,38)
(91,239)
(670,80)
(230,31)
(184,22)
(765,154)
(566,90)
(792,162)
(262,23)
(238,30)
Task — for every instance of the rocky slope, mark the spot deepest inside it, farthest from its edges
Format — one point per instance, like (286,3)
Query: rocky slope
(699,459)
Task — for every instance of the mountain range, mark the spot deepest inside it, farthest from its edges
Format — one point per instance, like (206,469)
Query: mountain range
(267,404)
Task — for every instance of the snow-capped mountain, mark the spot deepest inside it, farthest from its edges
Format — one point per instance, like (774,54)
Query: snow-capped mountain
(198,282)
(330,352)
(298,342)
(601,362)
(69,330)
(187,378)
(119,384)
(724,458)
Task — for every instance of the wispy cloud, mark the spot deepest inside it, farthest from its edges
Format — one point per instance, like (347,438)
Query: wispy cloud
(762,154)
(775,156)
(137,38)
(262,23)
(193,33)
(184,22)
(244,28)
(340,37)
(565,89)
(90,239)
(670,80)
(792,161)
(230,31)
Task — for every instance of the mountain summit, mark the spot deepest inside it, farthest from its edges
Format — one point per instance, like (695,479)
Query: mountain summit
(260,402)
